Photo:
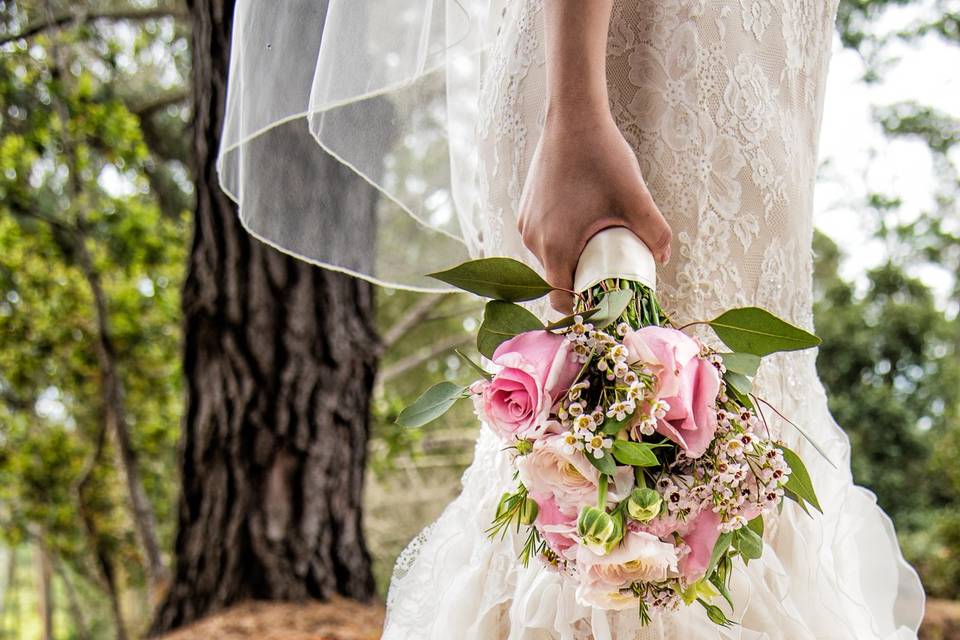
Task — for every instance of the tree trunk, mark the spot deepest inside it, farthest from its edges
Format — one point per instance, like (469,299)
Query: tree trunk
(44,591)
(279,361)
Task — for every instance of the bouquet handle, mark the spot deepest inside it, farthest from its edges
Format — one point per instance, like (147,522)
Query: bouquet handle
(615,252)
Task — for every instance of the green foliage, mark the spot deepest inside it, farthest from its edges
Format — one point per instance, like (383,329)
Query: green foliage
(434,402)
(80,179)
(499,278)
(759,332)
(501,322)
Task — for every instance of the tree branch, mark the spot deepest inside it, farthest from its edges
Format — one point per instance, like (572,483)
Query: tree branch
(414,314)
(82,17)
(420,357)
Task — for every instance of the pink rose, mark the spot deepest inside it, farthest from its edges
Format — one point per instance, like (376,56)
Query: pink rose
(686,382)
(701,536)
(558,528)
(537,368)
(552,469)
(640,557)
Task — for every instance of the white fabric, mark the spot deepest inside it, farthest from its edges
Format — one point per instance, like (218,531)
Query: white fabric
(722,101)
(615,253)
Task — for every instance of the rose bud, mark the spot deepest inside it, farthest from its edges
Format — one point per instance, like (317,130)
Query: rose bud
(598,530)
(644,504)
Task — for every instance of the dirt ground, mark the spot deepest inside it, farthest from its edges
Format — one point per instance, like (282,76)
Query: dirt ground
(335,620)
(348,620)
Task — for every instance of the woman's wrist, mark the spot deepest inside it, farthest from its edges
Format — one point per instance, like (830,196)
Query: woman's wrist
(576,42)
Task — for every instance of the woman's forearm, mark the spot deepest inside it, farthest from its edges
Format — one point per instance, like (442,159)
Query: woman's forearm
(576,43)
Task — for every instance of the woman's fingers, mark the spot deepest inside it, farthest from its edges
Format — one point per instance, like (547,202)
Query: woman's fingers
(645,220)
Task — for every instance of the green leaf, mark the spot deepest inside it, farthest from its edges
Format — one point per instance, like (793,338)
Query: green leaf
(800,501)
(719,549)
(502,321)
(473,365)
(717,582)
(742,398)
(611,306)
(754,330)
(498,278)
(605,464)
(799,482)
(612,426)
(756,525)
(743,363)
(739,382)
(434,402)
(567,321)
(636,454)
(748,543)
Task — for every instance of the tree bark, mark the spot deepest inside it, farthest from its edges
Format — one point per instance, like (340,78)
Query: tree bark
(279,361)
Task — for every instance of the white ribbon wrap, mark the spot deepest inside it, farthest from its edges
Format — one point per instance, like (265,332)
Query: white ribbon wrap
(615,253)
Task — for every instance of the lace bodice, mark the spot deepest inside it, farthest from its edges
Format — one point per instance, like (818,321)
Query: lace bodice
(721,102)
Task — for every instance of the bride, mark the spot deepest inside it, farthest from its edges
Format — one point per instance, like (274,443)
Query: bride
(693,123)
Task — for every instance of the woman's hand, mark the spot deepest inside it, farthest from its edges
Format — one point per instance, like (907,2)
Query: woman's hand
(584,177)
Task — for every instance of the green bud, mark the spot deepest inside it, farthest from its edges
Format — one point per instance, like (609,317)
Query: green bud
(524,447)
(502,506)
(529,511)
(599,530)
(644,504)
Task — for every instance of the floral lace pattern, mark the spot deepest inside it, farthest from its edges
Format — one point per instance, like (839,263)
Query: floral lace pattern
(721,100)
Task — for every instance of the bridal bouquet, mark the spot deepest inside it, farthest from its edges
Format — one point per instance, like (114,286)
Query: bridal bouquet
(644,466)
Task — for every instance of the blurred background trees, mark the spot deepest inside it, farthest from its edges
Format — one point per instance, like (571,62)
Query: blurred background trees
(96,202)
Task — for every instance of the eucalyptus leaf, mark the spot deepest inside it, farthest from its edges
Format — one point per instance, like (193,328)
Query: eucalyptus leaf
(757,525)
(502,321)
(611,306)
(434,402)
(604,464)
(743,363)
(498,278)
(799,481)
(757,331)
(636,454)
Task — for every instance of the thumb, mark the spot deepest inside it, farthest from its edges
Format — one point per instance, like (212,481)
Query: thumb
(645,220)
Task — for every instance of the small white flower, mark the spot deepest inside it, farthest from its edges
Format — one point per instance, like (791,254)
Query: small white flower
(575,409)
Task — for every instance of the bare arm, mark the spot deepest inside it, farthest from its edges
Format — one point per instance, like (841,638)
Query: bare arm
(584,176)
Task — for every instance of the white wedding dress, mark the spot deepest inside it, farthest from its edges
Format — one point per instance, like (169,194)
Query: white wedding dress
(721,99)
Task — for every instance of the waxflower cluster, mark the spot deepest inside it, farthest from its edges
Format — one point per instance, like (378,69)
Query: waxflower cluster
(633,459)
